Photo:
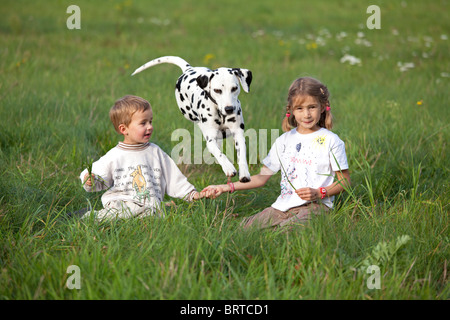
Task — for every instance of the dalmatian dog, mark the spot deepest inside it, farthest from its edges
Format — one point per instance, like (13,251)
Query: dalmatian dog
(210,99)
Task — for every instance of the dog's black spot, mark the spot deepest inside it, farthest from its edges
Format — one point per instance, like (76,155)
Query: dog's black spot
(209,115)
(242,126)
(183,111)
(192,118)
(192,80)
(193,72)
(181,97)
(249,78)
(224,134)
(237,145)
(195,113)
(198,104)
(239,112)
(203,105)
(188,87)
(217,121)
(186,95)
(232,119)
(178,85)
(212,76)
(188,108)
(208,109)
(192,98)
(202,81)
(202,93)
(203,119)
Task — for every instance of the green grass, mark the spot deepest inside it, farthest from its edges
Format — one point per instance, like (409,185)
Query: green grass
(57,85)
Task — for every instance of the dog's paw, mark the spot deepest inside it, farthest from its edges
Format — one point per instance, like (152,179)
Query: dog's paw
(245,179)
(244,175)
(229,171)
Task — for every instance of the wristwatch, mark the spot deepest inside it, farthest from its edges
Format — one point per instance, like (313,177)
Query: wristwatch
(323,192)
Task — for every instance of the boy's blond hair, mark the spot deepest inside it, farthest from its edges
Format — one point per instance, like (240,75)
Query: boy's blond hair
(123,109)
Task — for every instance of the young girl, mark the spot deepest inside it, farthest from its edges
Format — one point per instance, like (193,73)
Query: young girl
(309,155)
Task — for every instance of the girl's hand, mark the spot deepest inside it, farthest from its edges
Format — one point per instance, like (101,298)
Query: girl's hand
(308,194)
(214,191)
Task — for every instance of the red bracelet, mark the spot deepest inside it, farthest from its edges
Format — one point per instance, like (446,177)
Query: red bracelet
(323,192)
(231,186)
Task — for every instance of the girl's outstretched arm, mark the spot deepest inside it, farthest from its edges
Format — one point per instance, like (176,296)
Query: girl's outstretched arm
(256,181)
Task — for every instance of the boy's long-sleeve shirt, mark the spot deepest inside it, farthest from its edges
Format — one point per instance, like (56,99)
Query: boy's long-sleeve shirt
(139,173)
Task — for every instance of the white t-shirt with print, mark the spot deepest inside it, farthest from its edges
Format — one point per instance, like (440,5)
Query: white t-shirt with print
(307,160)
(142,174)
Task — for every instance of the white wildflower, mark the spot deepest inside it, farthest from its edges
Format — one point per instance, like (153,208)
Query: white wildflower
(405,66)
(352,60)
(341,35)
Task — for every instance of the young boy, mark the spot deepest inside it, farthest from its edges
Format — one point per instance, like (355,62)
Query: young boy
(135,173)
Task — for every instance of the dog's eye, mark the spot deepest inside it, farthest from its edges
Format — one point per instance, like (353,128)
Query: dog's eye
(218,91)
(234,89)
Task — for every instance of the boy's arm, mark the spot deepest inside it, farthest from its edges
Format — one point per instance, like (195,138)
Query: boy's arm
(99,179)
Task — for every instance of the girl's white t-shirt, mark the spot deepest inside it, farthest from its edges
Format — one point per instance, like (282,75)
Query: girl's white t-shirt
(307,160)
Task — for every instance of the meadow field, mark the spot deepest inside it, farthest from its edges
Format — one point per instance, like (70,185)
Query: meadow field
(387,237)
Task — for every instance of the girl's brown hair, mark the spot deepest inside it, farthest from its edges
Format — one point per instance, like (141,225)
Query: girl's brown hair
(307,86)
(123,109)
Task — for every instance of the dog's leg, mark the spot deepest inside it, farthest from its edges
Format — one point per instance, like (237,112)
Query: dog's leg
(211,144)
(239,141)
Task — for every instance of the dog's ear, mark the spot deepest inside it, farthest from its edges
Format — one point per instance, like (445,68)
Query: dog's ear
(245,77)
(202,81)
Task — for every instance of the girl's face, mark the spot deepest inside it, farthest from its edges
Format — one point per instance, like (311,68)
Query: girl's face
(140,128)
(307,111)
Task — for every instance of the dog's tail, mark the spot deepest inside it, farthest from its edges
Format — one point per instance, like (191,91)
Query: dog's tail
(168,59)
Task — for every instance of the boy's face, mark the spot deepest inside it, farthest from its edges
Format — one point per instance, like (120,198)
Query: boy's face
(140,128)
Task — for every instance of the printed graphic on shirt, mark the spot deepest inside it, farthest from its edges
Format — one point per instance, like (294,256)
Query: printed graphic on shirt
(141,181)
(139,184)
(291,175)
(320,141)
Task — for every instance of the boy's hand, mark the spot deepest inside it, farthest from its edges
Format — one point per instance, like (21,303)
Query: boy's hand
(88,180)
(198,195)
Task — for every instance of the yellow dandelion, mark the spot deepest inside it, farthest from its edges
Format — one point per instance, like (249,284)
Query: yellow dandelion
(208,58)
(312,45)
(420,102)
